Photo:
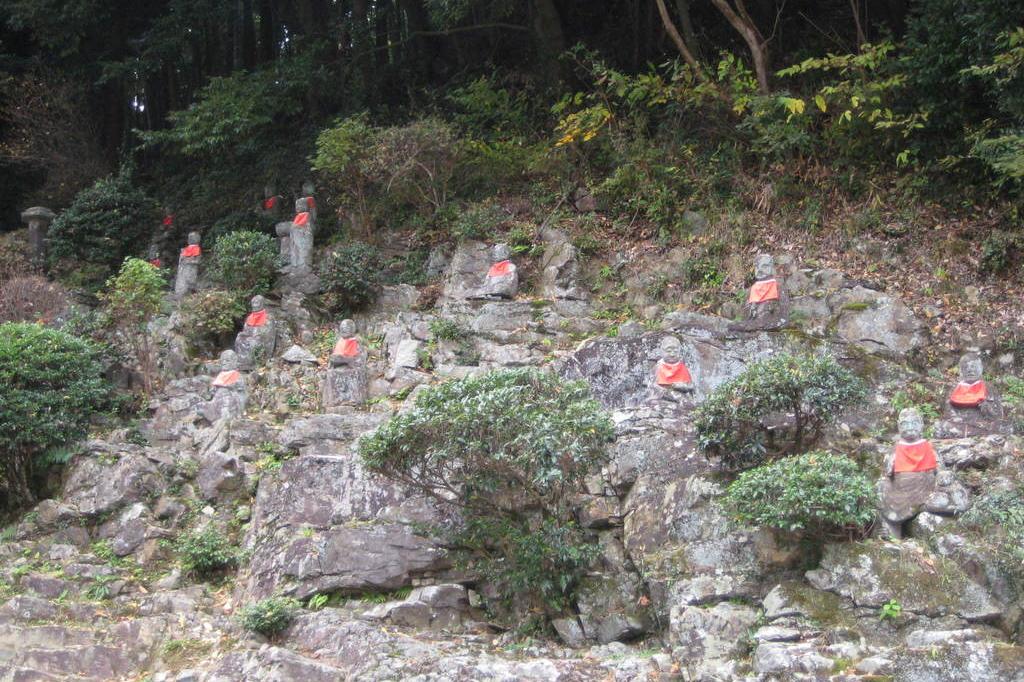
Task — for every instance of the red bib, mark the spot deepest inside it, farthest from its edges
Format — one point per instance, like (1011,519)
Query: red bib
(969,395)
(919,456)
(168,220)
(346,348)
(227,378)
(155,262)
(269,203)
(256,319)
(311,203)
(764,291)
(666,374)
(501,269)
(191,251)
(301,220)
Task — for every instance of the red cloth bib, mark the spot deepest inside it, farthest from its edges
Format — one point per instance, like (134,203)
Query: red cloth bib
(919,456)
(764,291)
(301,220)
(311,203)
(227,378)
(155,262)
(969,395)
(667,374)
(346,348)
(168,220)
(191,251)
(256,319)
(501,269)
(269,203)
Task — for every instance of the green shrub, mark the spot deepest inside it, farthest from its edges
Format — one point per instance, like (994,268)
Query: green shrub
(998,252)
(998,520)
(510,449)
(733,423)
(52,385)
(816,494)
(206,552)
(246,262)
(249,221)
(131,300)
(350,276)
(269,617)
(209,319)
(343,161)
(477,221)
(104,223)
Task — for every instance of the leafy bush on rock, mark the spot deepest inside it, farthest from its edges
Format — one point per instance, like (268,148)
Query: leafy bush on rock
(269,616)
(206,552)
(245,261)
(210,318)
(745,422)
(350,276)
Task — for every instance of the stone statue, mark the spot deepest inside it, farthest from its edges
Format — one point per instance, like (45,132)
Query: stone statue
(271,200)
(38,219)
(910,474)
(255,343)
(308,190)
(974,407)
(188,266)
(766,300)
(284,231)
(301,237)
(502,280)
(671,374)
(230,393)
(971,392)
(345,381)
(153,256)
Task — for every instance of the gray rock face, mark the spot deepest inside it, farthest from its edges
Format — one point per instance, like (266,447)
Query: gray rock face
(701,634)
(96,485)
(876,322)
(436,607)
(297,355)
(345,385)
(560,270)
(466,270)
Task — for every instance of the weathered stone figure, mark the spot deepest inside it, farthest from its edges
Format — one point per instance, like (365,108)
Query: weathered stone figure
(188,266)
(910,474)
(308,190)
(284,231)
(38,219)
(153,256)
(230,393)
(671,375)
(972,391)
(255,343)
(502,278)
(766,300)
(345,381)
(301,238)
(271,200)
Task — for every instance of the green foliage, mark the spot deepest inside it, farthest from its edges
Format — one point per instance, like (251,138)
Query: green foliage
(131,300)
(104,223)
(52,387)
(239,221)
(998,520)
(733,422)
(343,160)
(209,318)
(816,494)
(890,610)
(511,449)
(919,397)
(445,329)
(350,276)
(478,221)
(270,616)
(998,251)
(246,262)
(205,553)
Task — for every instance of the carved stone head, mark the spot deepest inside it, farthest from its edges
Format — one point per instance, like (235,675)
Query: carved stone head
(346,329)
(500,252)
(154,252)
(194,238)
(228,360)
(671,350)
(911,424)
(283,228)
(308,188)
(970,368)
(257,303)
(301,205)
(268,191)
(764,266)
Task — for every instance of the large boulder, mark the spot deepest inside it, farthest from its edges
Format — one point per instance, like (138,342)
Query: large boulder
(876,322)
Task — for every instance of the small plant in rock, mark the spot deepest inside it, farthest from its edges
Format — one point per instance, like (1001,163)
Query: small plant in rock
(205,553)
(817,494)
(350,276)
(270,616)
(890,610)
(774,407)
(509,450)
(246,262)
(210,318)
(445,329)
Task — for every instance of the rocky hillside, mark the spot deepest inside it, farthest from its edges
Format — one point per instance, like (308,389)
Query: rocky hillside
(93,588)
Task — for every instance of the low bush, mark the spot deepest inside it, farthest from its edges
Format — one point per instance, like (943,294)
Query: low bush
(477,221)
(744,421)
(207,552)
(103,225)
(350,276)
(240,221)
(245,261)
(132,299)
(268,617)
(510,450)
(209,319)
(32,299)
(817,494)
(52,387)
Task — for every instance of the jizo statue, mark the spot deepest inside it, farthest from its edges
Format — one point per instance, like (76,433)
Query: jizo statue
(301,237)
(972,391)
(188,266)
(910,474)
(346,350)
(255,343)
(230,393)
(502,279)
(671,372)
(766,300)
(346,381)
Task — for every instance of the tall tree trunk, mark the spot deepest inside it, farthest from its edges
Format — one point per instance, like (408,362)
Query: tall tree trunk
(740,20)
(547,30)
(686,24)
(684,49)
